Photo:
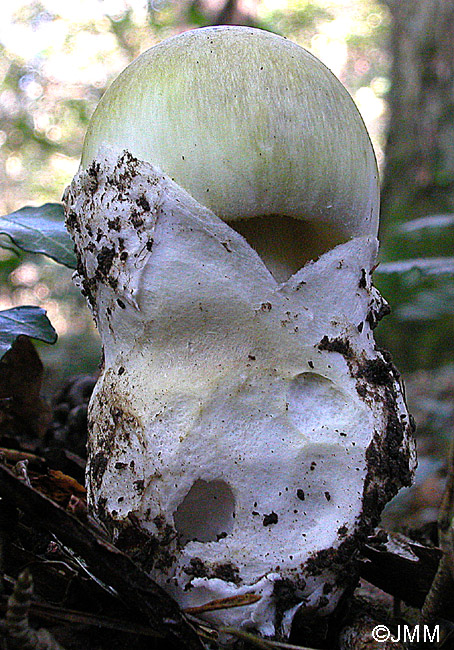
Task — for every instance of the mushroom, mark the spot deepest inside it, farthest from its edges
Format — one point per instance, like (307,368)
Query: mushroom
(245,432)
(253,127)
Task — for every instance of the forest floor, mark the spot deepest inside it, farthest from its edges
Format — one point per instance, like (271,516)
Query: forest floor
(83,593)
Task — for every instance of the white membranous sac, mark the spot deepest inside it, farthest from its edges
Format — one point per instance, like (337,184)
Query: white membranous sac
(225,217)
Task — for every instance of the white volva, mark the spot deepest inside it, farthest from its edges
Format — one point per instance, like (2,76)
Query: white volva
(245,432)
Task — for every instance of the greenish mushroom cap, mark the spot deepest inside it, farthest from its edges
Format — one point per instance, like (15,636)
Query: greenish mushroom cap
(250,124)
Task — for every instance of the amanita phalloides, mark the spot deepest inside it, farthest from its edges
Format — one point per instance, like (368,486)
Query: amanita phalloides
(245,432)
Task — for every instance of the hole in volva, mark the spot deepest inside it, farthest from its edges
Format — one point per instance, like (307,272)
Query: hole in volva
(285,244)
(315,402)
(207,512)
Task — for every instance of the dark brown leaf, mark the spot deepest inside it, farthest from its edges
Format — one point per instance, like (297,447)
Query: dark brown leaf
(22,411)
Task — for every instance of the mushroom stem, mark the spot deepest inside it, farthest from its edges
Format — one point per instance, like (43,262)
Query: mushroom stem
(245,431)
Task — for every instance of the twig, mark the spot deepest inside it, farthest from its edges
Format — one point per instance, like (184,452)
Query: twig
(447,509)
(442,586)
(224,603)
(20,635)
(259,642)
(53,614)
(13,456)
(246,636)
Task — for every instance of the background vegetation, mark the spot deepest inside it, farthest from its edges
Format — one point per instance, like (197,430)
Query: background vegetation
(57,59)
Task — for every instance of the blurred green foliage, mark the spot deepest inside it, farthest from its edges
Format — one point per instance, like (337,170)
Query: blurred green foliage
(420,286)
(56,61)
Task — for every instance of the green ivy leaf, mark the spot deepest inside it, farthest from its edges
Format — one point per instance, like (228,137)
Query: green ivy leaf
(31,321)
(41,230)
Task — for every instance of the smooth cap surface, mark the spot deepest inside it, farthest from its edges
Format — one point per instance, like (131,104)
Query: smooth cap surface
(249,123)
